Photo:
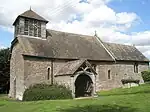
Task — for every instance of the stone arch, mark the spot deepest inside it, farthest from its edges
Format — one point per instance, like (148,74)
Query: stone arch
(84,85)
(76,69)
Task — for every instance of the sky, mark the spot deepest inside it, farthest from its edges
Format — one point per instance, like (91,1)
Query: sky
(117,21)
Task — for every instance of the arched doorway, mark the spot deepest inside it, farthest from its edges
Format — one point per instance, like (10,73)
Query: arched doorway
(83,86)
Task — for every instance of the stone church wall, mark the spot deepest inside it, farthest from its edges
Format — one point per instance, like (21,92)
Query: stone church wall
(64,80)
(16,73)
(118,72)
(36,71)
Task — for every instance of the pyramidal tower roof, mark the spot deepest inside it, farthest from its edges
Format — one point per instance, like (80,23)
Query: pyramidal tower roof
(31,14)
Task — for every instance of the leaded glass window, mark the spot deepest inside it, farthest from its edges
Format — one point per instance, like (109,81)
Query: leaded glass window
(32,28)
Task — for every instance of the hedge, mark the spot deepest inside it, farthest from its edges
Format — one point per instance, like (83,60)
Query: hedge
(46,92)
(146,76)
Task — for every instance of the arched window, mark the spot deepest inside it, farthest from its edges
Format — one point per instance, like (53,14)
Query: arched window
(109,77)
(135,68)
(48,74)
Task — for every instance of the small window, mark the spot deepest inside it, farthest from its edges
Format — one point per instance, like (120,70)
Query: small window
(109,77)
(135,68)
(48,73)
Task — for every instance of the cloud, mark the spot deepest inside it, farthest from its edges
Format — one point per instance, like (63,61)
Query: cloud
(126,18)
(141,38)
(147,54)
(93,13)
(100,15)
(80,17)
(143,48)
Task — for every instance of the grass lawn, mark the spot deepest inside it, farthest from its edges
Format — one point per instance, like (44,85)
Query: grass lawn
(136,99)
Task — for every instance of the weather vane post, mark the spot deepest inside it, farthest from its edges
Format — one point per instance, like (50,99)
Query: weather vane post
(95,33)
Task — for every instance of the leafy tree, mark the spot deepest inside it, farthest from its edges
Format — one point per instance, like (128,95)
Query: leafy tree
(4,70)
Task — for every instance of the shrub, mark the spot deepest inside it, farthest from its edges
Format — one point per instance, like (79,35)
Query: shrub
(146,76)
(46,92)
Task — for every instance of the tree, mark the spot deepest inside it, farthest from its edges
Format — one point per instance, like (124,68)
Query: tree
(4,70)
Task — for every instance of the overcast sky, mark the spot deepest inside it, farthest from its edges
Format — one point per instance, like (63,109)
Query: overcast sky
(117,21)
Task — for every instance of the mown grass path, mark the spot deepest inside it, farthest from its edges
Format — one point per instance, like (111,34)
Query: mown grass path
(135,99)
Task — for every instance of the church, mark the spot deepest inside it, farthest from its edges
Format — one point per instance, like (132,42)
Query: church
(85,64)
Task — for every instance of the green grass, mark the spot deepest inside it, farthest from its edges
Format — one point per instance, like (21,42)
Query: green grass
(145,88)
(135,99)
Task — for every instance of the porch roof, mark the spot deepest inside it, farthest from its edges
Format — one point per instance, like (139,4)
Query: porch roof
(72,66)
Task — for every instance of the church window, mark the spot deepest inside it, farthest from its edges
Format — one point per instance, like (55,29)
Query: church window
(39,29)
(26,27)
(35,28)
(109,74)
(135,68)
(17,28)
(32,28)
(48,74)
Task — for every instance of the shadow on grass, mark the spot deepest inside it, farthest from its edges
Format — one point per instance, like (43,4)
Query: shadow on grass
(99,108)
(113,94)
(1,105)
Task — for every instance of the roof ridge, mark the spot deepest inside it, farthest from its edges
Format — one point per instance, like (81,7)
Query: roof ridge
(106,49)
